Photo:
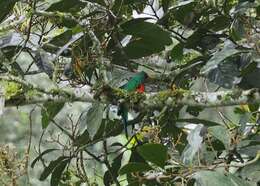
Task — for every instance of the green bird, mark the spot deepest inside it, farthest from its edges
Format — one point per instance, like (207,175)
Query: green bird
(136,83)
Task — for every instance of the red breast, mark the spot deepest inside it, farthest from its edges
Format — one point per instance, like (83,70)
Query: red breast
(141,88)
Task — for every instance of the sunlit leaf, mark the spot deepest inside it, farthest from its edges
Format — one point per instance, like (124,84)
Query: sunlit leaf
(222,134)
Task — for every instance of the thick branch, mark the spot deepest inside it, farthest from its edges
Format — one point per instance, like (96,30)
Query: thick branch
(203,99)
(156,100)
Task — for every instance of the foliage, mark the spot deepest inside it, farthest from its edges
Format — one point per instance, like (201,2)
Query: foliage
(87,49)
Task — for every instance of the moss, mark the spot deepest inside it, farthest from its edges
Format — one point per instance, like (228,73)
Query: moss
(163,95)
(177,93)
(136,97)
(32,93)
(120,93)
(227,97)
(236,94)
(11,89)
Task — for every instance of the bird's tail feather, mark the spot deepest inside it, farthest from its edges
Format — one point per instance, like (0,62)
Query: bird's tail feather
(125,126)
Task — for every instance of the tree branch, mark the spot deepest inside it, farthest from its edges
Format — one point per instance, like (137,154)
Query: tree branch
(156,100)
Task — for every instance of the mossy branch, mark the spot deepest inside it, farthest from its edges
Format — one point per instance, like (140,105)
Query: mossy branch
(156,100)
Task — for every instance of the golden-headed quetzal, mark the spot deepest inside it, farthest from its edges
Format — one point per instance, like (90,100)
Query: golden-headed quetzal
(136,83)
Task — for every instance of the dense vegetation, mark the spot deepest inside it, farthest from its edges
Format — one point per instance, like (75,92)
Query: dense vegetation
(202,60)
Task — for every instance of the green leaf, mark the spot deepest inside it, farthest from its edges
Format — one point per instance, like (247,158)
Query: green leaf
(134,167)
(6,7)
(67,6)
(114,170)
(100,2)
(222,134)
(177,51)
(219,23)
(110,128)
(182,11)
(249,146)
(149,38)
(83,139)
(237,181)
(199,121)
(53,164)
(94,118)
(57,173)
(147,31)
(237,30)
(250,172)
(62,38)
(195,38)
(50,110)
(214,178)
(41,155)
(225,74)
(218,57)
(127,2)
(141,48)
(155,153)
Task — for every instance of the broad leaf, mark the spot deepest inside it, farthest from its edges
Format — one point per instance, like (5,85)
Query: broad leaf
(226,74)
(53,164)
(67,6)
(250,172)
(177,51)
(222,134)
(219,23)
(83,139)
(101,2)
(141,48)
(214,178)
(49,111)
(57,173)
(183,11)
(115,166)
(237,30)
(198,121)
(41,155)
(155,153)
(6,7)
(147,31)
(251,79)
(109,128)
(134,167)
(94,118)
(62,38)
(149,38)
(218,57)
